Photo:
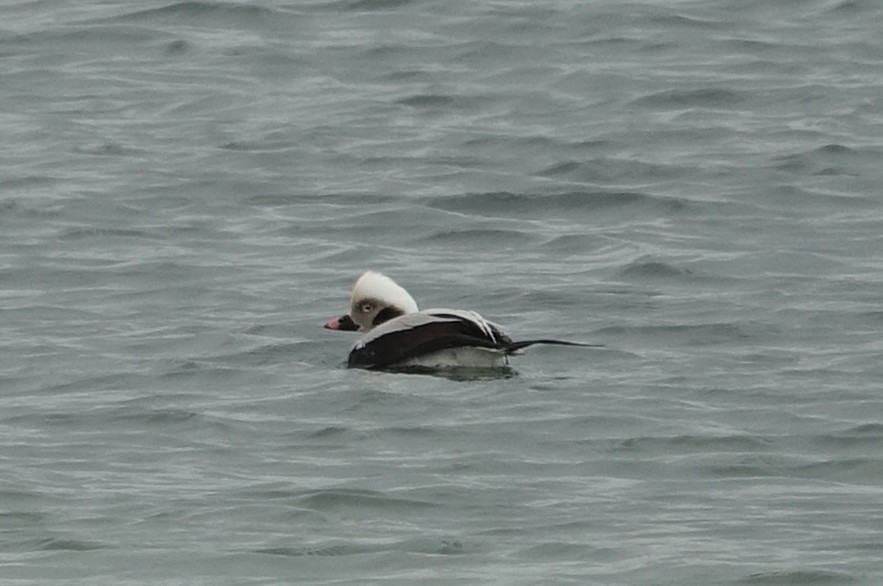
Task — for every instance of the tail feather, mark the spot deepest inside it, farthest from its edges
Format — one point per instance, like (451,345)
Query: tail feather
(513,347)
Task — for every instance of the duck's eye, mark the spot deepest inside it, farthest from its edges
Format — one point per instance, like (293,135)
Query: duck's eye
(366,308)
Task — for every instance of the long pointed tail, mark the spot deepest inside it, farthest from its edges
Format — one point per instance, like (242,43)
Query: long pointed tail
(516,346)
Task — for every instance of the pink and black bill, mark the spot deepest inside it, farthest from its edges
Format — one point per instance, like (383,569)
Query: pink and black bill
(343,323)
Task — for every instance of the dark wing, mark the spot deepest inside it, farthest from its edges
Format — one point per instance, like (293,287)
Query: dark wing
(475,324)
(420,333)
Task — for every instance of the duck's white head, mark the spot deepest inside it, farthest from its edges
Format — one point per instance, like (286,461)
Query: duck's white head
(375,299)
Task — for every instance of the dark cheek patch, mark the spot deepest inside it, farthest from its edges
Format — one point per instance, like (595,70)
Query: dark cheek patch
(386,315)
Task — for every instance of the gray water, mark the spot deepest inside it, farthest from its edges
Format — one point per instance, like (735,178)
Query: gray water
(189,189)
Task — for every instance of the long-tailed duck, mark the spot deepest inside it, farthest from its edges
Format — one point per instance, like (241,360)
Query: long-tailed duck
(398,335)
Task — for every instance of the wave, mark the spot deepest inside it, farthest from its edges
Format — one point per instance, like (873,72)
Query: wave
(202,12)
(520,204)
